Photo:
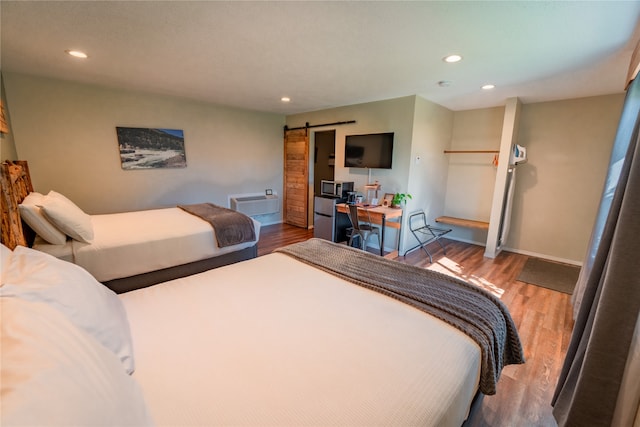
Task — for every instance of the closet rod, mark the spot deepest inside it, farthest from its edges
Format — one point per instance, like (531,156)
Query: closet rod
(470,151)
(307,126)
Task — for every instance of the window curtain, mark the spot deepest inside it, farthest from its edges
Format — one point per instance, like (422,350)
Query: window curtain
(598,385)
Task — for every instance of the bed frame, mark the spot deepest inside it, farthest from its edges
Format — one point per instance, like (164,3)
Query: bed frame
(16,185)
(139,281)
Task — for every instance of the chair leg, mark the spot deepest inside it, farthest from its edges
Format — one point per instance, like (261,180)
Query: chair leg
(364,240)
(436,236)
(428,254)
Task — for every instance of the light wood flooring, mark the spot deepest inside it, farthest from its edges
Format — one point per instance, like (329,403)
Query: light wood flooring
(543,318)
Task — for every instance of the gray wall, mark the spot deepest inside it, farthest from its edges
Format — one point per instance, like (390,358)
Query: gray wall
(557,191)
(394,115)
(67,133)
(7,145)
(428,165)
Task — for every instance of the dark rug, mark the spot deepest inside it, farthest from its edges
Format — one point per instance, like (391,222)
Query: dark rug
(548,274)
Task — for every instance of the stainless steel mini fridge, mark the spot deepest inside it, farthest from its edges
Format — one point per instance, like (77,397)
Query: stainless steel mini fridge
(327,224)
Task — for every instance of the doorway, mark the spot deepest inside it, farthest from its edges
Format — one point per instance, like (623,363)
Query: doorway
(324,158)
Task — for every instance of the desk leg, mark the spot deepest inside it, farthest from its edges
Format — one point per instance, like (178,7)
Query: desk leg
(384,220)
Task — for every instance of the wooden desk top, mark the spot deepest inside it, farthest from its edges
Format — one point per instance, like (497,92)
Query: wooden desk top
(374,211)
(378,215)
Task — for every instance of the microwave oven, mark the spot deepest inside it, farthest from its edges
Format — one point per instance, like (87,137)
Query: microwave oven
(335,188)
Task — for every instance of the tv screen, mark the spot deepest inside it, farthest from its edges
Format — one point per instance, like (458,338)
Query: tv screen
(374,150)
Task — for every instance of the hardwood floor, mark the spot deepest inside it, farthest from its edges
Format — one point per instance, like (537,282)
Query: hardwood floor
(543,318)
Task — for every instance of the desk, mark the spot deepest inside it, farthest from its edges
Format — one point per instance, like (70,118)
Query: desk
(379,215)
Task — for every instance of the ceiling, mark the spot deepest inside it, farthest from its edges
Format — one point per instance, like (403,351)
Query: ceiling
(328,54)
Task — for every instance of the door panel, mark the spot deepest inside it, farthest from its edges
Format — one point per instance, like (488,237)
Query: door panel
(296,177)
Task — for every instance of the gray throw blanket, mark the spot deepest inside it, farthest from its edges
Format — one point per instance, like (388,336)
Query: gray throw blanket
(230,227)
(480,315)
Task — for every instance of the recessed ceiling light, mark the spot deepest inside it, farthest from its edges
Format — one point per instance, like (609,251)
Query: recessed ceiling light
(452,58)
(285,99)
(77,53)
(488,87)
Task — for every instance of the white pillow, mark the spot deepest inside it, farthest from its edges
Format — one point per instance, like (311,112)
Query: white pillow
(5,260)
(31,213)
(55,374)
(68,217)
(35,276)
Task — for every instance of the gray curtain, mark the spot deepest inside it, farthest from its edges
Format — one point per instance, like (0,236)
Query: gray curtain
(608,300)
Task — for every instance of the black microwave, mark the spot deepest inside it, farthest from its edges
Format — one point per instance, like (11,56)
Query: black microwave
(335,188)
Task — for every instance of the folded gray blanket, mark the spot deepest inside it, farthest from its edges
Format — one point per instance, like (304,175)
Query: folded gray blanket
(477,313)
(230,227)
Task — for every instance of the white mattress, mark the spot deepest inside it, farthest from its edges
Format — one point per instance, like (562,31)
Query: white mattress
(130,243)
(272,341)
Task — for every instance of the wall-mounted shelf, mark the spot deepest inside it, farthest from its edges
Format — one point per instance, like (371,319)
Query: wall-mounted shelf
(460,222)
(471,151)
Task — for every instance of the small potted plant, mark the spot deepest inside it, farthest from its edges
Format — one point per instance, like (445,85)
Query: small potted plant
(399,199)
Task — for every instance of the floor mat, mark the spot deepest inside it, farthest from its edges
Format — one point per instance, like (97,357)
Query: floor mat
(548,274)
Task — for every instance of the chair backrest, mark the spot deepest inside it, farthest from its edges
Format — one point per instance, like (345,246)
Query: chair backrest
(353,217)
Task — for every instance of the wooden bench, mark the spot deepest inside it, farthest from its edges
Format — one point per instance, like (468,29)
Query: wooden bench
(470,223)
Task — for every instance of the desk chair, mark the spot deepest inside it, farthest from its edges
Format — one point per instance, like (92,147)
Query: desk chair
(424,233)
(361,230)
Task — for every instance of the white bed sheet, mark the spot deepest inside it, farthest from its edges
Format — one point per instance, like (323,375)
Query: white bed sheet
(63,252)
(272,341)
(155,239)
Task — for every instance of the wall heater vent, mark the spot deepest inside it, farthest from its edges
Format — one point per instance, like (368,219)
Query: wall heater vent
(256,205)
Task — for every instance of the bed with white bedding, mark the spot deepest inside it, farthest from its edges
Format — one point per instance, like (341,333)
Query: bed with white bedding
(273,341)
(156,239)
(126,250)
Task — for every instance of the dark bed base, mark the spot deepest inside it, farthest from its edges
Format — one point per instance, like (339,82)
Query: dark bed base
(143,280)
(475,410)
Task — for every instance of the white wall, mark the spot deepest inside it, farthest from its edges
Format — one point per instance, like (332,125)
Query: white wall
(67,133)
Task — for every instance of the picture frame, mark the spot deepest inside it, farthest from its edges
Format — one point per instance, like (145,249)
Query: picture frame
(151,148)
(387,199)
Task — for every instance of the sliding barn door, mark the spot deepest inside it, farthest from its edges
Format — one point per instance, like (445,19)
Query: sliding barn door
(296,177)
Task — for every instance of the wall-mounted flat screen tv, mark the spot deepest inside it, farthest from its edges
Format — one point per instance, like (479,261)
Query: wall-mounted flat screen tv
(374,150)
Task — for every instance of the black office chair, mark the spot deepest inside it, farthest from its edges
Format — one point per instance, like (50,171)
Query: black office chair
(362,230)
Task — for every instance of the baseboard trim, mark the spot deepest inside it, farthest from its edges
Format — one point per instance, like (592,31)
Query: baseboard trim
(523,252)
(544,256)
(472,242)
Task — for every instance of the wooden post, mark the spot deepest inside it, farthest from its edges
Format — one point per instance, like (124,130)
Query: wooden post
(16,185)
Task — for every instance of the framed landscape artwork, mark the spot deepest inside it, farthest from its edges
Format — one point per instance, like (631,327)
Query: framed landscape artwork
(151,148)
